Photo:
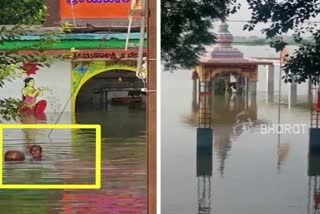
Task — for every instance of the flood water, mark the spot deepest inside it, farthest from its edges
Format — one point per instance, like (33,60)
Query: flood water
(69,158)
(242,171)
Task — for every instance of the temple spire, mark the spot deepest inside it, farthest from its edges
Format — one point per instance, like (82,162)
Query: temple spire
(224,37)
(223,48)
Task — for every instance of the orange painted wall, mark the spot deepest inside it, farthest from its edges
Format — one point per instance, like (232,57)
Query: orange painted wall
(95,9)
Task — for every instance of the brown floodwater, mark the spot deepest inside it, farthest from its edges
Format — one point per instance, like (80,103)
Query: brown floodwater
(241,169)
(69,158)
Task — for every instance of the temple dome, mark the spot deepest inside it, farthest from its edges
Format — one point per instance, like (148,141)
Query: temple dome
(223,35)
(223,47)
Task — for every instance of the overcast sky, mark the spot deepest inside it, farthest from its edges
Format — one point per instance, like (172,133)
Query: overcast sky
(236,28)
(244,14)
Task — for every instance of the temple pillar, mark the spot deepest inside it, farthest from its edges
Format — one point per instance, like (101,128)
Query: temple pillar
(238,83)
(292,95)
(246,92)
(252,86)
(105,99)
(204,168)
(309,92)
(213,83)
(270,83)
(195,93)
(314,144)
(238,91)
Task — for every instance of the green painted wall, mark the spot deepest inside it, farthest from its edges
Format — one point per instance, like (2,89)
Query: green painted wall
(67,44)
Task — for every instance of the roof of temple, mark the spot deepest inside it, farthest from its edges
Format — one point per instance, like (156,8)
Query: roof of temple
(223,52)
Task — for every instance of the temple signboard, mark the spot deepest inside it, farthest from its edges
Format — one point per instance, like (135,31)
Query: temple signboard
(106,55)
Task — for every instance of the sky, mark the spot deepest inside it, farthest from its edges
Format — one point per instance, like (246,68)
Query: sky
(244,14)
(236,28)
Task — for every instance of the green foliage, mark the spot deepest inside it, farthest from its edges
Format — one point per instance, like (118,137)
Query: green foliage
(291,15)
(305,63)
(9,108)
(185,29)
(22,12)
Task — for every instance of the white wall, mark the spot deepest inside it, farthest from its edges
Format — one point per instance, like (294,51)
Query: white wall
(57,78)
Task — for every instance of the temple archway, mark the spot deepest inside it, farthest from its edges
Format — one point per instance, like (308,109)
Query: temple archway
(94,104)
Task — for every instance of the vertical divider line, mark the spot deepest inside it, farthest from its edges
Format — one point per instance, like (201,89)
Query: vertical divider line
(98,156)
(1,156)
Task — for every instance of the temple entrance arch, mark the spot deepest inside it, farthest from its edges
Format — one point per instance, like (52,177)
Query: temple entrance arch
(91,77)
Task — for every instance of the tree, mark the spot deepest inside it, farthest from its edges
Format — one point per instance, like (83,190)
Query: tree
(292,15)
(22,12)
(185,27)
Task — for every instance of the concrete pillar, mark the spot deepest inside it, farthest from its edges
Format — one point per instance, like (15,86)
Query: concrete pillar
(238,83)
(269,83)
(314,167)
(309,92)
(292,95)
(213,83)
(247,92)
(238,92)
(204,151)
(96,98)
(101,97)
(314,143)
(253,93)
(104,99)
(194,94)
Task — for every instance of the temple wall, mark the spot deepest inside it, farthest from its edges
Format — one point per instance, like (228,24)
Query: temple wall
(57,78)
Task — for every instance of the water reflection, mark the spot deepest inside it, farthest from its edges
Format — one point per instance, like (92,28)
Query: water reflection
(260,173)
(63,161)
(220,121)
(314,184)
(283,153)
(229,119)
(204,169)
(30,134)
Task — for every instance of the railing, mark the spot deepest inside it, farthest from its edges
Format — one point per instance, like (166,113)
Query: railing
(204,119)
(315,116)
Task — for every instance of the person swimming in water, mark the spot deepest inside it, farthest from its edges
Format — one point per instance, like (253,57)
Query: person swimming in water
(36,152)
(14,155)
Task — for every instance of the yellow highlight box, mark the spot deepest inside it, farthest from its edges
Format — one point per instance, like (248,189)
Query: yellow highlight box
(97,184)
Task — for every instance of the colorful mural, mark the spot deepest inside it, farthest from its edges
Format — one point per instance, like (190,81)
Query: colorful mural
(29,96)
(30,105)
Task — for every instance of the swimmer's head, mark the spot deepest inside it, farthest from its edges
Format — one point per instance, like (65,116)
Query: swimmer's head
(36,152)
(14,156)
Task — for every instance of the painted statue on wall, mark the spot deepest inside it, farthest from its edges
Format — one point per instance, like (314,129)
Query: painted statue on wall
(29,98)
